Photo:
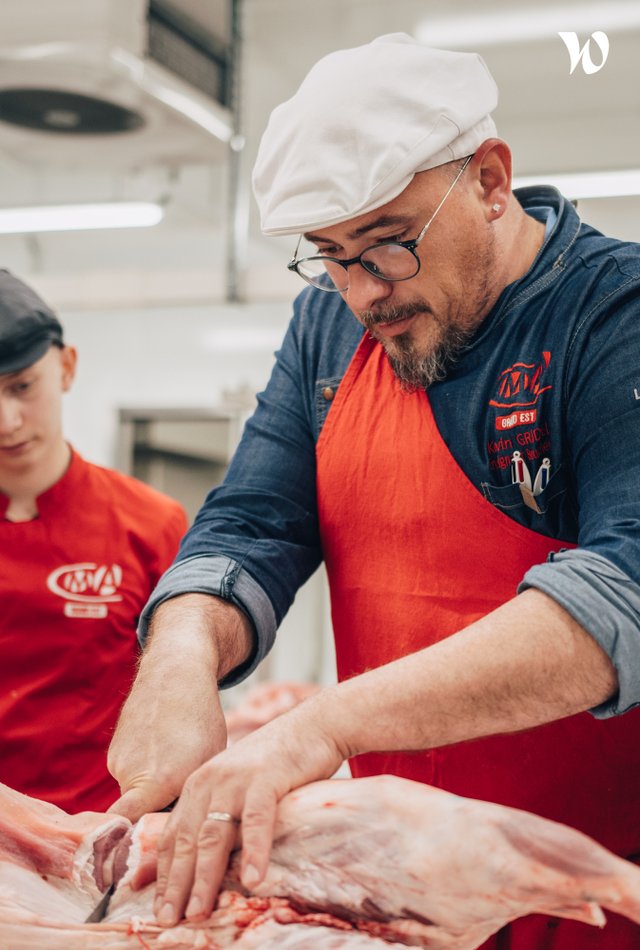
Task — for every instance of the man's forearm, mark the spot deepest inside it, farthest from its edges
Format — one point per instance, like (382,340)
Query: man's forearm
(208,630)
(172,721)
(525,664)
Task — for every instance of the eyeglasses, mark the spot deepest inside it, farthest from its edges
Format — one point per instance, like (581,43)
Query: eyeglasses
(388,260)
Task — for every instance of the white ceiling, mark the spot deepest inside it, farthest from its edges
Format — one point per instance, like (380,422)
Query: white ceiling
(554,122)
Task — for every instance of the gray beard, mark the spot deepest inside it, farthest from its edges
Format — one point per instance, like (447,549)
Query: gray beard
(414,369)
(418,371)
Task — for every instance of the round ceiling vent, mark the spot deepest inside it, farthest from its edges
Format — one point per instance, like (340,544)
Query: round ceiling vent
(55,110)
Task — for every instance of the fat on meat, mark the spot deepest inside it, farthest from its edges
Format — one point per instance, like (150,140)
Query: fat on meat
(360,864)
(53,865)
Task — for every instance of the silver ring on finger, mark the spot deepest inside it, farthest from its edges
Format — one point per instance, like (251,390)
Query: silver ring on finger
(223,816)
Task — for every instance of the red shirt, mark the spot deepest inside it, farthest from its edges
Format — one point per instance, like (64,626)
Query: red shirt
(72,584)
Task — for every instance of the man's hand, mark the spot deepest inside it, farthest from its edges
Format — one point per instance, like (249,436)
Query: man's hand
(527,663)
(245,782)
(172,720)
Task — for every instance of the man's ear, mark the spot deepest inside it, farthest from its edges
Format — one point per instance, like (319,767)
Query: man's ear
(492,164)
(68,362)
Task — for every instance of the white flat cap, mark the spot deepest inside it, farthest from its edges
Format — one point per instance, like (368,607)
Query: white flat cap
(360,126)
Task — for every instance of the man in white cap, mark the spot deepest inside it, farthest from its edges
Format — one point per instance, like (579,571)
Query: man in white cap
(445,427)
(81,548)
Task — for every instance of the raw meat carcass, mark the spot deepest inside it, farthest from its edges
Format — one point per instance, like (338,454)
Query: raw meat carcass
(360,864)
(51,862)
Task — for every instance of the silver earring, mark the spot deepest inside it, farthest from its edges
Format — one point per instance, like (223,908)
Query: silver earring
(495,207)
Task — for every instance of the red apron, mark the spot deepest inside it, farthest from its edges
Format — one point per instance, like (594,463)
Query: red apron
(414,553)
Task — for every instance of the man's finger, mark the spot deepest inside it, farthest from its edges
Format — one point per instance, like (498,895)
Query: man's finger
(216,840)
(176,865)
(258,821)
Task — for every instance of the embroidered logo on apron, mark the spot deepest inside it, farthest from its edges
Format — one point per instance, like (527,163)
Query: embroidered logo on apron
(519,389)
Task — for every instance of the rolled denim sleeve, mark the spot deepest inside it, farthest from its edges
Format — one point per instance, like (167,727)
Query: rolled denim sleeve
(264,514)
(606,602)
(599,582)
(219,577)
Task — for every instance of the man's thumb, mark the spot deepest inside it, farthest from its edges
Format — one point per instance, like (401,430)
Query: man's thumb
(136,802)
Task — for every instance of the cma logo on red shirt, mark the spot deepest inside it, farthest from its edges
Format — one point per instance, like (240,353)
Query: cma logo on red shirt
(519,389)
(86,588)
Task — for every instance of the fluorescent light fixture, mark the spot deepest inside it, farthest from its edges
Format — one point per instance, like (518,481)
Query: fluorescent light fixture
(529,23)
(86,217)
(610,184)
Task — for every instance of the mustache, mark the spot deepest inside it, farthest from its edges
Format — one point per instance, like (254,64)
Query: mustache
(371,318)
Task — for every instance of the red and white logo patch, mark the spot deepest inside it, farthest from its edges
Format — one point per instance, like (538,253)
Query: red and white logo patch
(87,588)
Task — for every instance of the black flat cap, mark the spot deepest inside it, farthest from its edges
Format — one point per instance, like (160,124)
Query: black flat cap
(28,326)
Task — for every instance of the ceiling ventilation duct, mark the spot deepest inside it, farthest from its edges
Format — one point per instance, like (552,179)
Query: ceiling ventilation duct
(111,82)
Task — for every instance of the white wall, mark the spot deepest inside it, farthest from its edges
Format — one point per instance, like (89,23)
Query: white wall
(174,357)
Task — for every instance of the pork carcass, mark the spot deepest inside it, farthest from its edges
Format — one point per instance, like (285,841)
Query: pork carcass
(360,864)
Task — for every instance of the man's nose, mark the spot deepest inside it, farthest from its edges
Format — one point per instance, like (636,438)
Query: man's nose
(10,416)
(365,289)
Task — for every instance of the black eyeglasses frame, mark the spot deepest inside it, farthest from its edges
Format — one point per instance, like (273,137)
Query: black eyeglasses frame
(410,246)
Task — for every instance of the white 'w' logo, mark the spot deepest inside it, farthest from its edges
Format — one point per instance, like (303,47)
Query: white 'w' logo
(576,54)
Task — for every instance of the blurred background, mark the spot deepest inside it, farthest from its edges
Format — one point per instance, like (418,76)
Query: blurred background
(162,103)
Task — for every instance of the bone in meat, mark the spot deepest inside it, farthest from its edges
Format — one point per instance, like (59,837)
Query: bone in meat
(52,864)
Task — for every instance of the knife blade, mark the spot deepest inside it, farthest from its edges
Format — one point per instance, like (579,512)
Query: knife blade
(99,911)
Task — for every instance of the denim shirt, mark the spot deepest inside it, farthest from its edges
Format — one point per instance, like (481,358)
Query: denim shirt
(552,373)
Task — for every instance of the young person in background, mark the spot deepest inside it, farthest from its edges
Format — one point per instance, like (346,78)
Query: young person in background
(81,548)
